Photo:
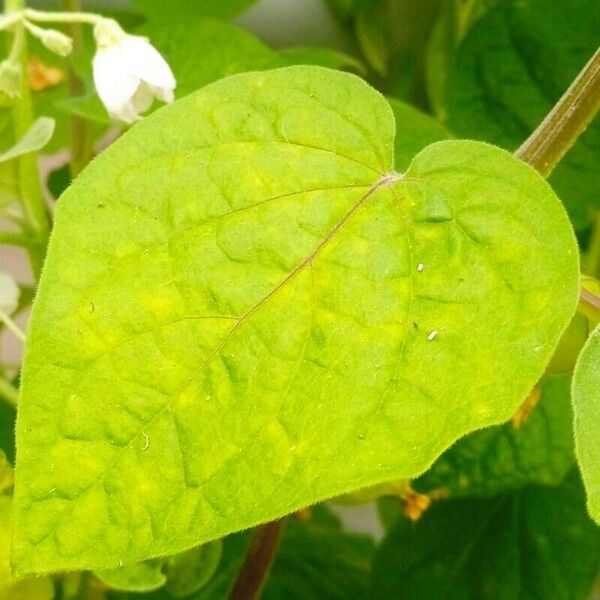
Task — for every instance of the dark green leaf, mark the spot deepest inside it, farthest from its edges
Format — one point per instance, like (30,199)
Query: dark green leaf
(505,457)
(535,544)
(512,68)
(414,131)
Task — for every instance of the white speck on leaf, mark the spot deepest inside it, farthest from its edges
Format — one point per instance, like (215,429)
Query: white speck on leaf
(420,267)
(146,441)
(432,335)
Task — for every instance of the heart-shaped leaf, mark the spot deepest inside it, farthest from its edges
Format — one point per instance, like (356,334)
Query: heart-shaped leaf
(586,404)
(245,311)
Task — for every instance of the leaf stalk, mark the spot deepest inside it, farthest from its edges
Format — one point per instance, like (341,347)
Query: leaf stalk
(259,558)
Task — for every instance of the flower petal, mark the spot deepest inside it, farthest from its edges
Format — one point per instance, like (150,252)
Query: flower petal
(144,61)
(164,94)
(143,98)
(115,85)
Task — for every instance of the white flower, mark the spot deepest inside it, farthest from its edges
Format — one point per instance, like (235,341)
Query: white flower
(129,72)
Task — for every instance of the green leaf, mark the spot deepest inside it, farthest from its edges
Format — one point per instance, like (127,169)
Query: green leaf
(190,571)
(393,36)
(534,544)
(414,131)
(239,277)
(35,138)
(204,50)
(318,562)
(192,9)
(88,107)
(504,457)
(510,71)
(29,588)
(454,22)
(315,559)
(140,577)
(322,57)
(350,8)
(586,405)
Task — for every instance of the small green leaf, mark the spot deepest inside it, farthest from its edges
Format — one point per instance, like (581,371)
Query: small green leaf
(538,544)
(242,275)
(586,404)
(140,577)
(504,457)
(36,137)
(509,72)
(189,571)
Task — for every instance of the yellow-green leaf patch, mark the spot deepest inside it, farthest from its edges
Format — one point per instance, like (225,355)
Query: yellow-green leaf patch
(244,311)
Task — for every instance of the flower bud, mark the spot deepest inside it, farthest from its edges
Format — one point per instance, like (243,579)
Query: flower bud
(11,78)
(57,42)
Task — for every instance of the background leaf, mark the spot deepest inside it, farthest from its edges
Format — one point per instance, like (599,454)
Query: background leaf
(414,131)
(204,50)
(35,138)
(586,403)
(534,544)
(233,267)
(192,9)
(509,72)
(506,457)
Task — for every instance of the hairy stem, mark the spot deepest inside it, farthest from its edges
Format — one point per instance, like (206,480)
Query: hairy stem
(9,392)
(566,121)
(35,211)
(81,150)
(259,557)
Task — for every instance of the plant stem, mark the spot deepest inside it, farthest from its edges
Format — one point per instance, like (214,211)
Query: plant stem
(12,326)
(9,392)
(590,299)
(13,238)
(81,144)
(30,191)
(566,121)
(62,17)
(259,557)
